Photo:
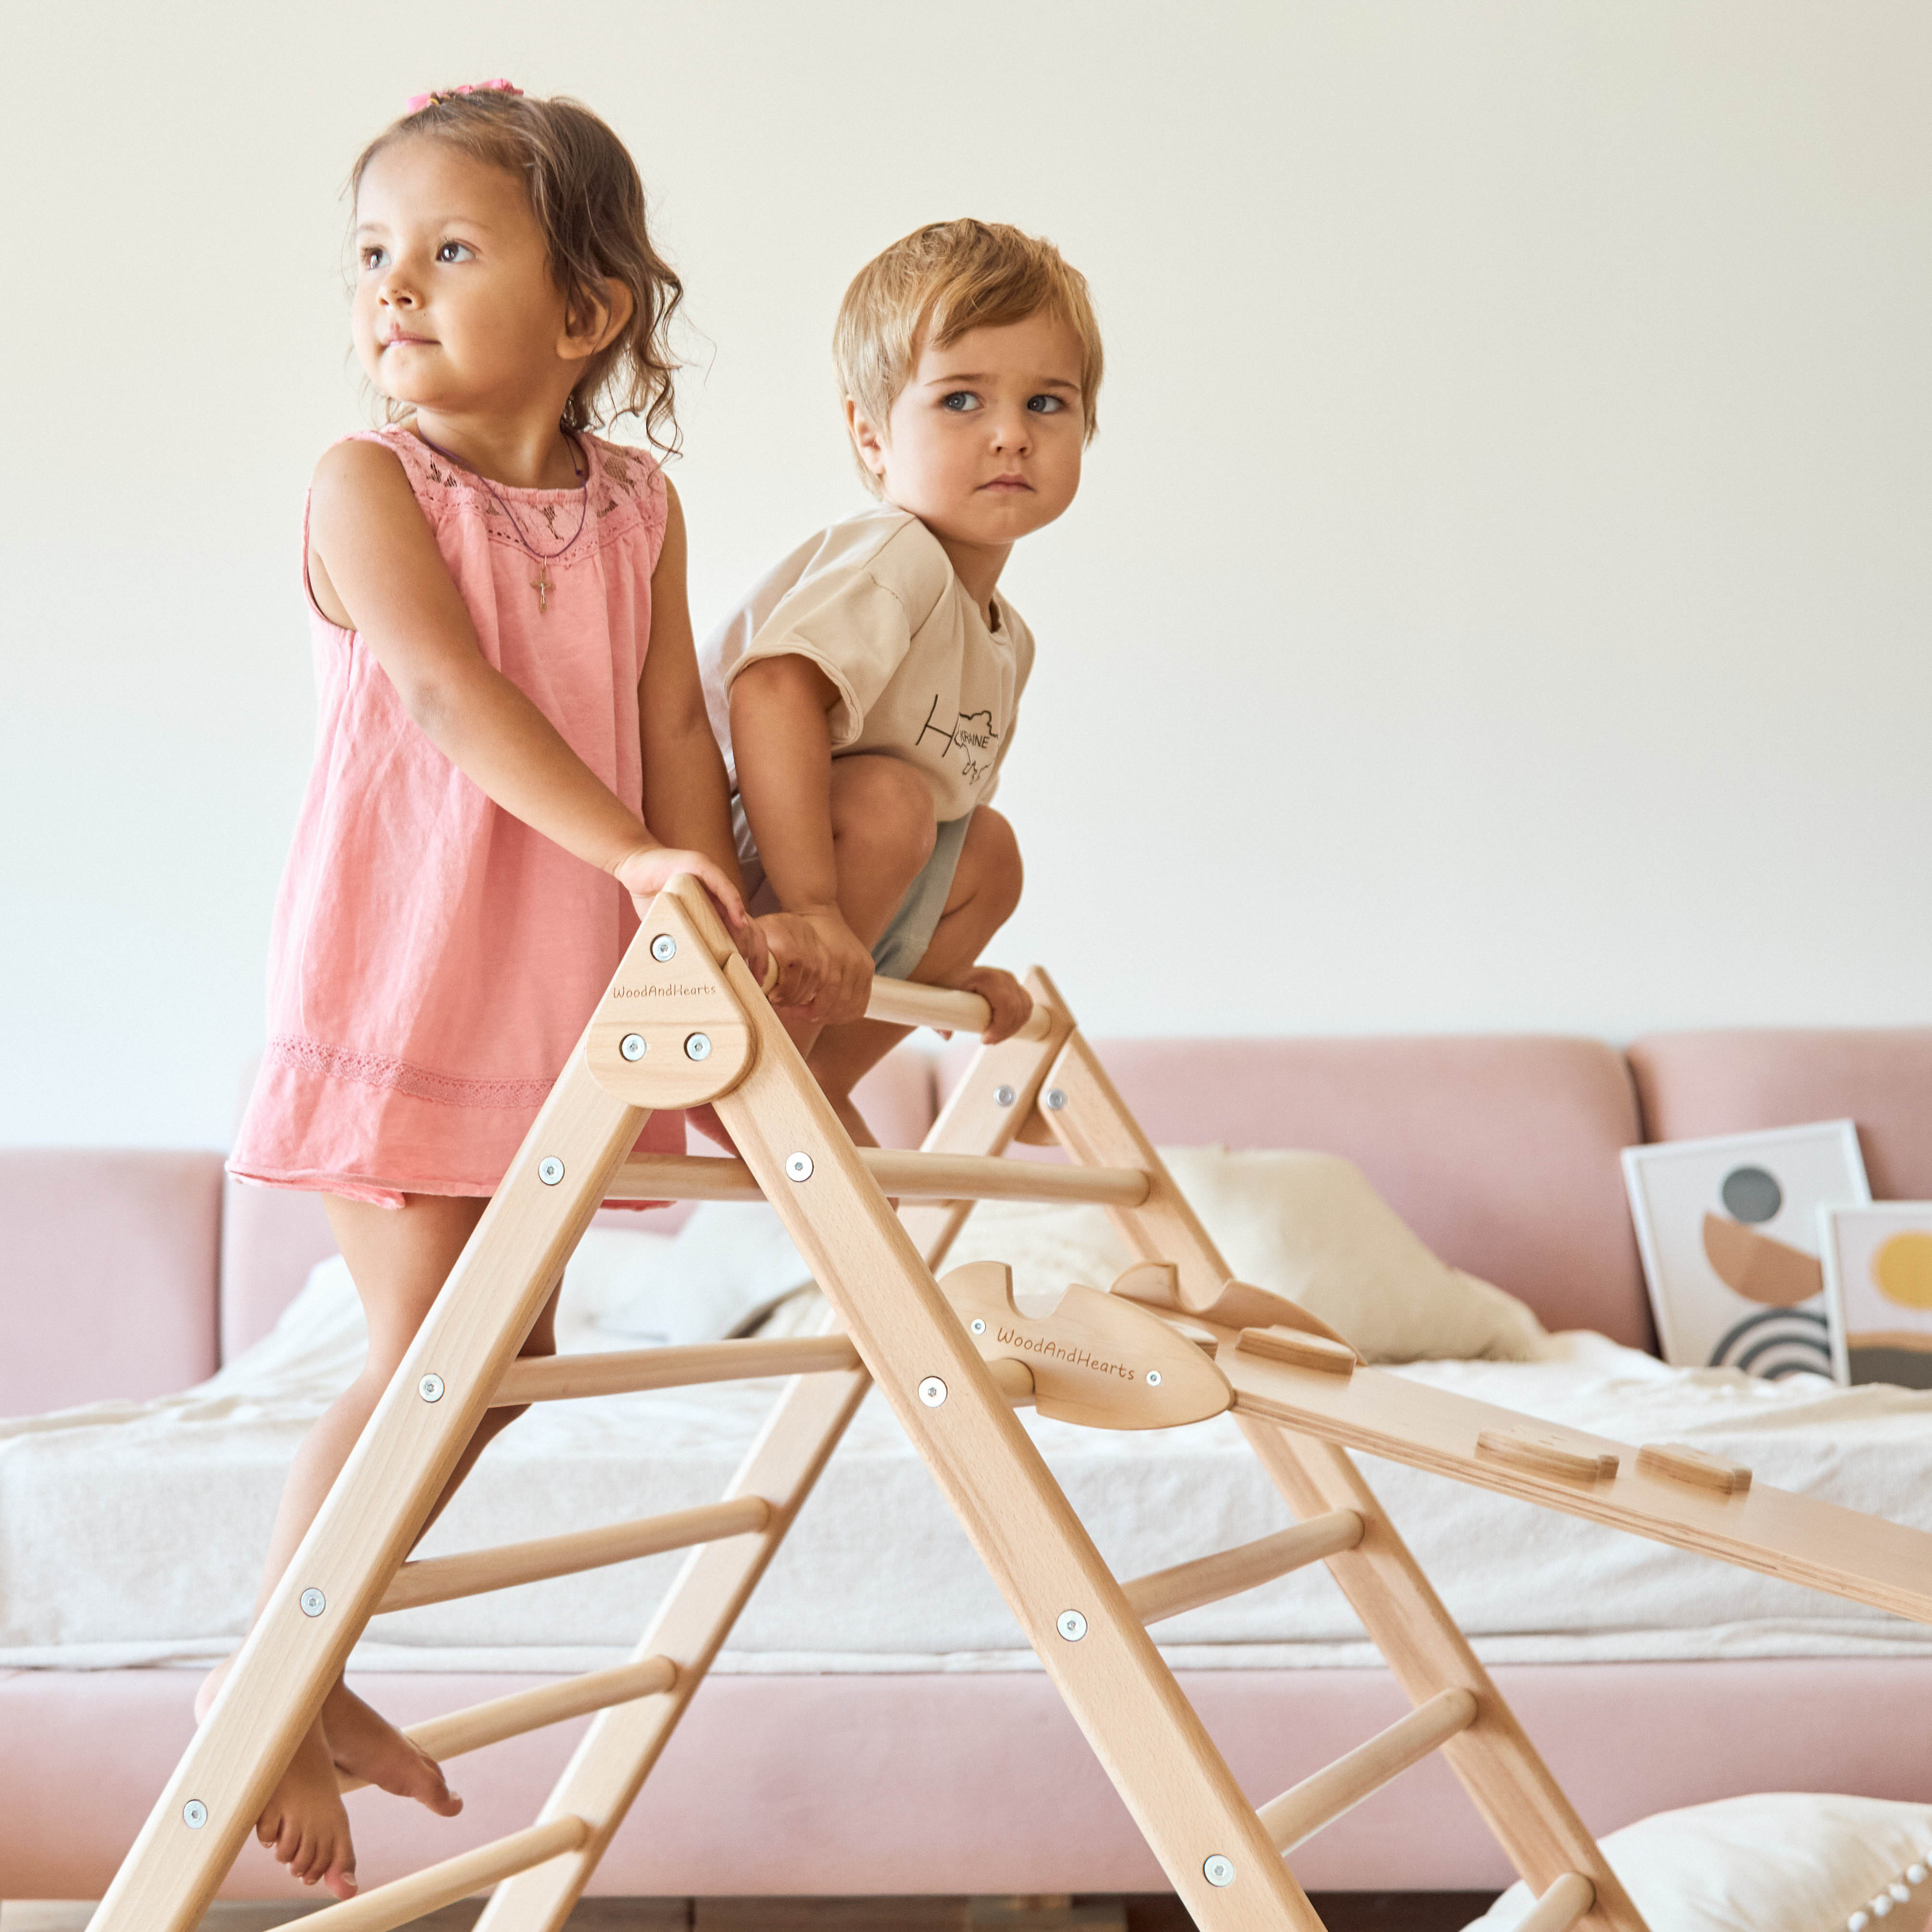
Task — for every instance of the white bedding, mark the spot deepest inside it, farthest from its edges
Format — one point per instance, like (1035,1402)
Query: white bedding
(131,1533)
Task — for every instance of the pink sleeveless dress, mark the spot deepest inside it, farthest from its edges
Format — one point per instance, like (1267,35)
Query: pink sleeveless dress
(433,960)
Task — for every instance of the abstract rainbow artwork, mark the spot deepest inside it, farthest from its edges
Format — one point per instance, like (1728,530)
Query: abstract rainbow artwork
(1728,1230)
(1878,1290)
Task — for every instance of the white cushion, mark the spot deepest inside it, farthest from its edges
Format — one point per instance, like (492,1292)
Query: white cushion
(729,1265)
(1784,1861)
(1306,1225)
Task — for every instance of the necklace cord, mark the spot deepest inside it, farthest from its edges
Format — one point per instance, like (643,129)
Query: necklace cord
(517,529)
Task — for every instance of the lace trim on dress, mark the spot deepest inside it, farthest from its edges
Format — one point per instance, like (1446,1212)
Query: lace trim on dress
(377,1069)
(621,480)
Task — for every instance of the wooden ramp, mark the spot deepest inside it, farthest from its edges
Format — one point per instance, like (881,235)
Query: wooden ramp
(1175,1341)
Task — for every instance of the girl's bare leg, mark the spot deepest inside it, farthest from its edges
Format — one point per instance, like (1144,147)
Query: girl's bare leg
(399,1259)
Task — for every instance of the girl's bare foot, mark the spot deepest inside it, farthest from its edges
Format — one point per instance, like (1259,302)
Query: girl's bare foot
(365,1744)
(304,1823)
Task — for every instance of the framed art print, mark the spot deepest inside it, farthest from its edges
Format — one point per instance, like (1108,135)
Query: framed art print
(1878,1290)
(1728,1229)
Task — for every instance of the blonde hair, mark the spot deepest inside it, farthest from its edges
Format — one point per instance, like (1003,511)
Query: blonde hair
(935,285)
(589,201)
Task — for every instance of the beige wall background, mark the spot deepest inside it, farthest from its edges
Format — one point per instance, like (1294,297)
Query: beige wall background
(1499,598)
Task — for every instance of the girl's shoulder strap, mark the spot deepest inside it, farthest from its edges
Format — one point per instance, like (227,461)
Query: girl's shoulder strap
(627,482)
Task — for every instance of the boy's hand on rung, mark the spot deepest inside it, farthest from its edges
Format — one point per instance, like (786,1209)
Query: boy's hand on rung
(1011,1002)
(825,971)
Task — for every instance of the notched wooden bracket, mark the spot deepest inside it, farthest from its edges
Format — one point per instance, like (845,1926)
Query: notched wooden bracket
(1157,1285)
(1095,1359)
(1679,1462)
(670,1033)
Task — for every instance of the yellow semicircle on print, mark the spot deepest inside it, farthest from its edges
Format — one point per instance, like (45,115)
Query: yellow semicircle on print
(1901,1269)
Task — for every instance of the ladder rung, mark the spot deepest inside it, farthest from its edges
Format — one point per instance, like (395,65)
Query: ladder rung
(524,1711)
(437,1579)
(1166,1593)
(908,1176)
(904,1003)
(1013,1378)
(1301,1811)
(1559,1908)
(429,1890)
(623,1372)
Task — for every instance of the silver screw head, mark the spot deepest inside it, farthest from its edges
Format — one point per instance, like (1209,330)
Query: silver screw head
(314,1602)
(1004,1096)
(1219,1871)
(194,1814)
(664,947)
(698,1047)
(1071,1624)
(430,1388)
(798,1167)
(932,1392)
(549,1171)
(1056,1098)
(1153,1378)
(979,1326)
(633,1046)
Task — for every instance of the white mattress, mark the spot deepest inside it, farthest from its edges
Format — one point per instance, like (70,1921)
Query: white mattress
(131,1533)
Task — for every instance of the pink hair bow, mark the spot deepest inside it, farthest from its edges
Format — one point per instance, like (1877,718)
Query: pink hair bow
(417,102)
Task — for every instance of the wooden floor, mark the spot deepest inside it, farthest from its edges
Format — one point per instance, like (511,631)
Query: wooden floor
(1150,1912)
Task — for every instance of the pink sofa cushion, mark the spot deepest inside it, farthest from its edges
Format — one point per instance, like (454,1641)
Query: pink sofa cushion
(272,1236)
(111,1271)
(1499,1150)
(1690,1084)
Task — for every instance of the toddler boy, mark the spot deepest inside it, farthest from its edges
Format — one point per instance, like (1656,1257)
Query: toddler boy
(864,693)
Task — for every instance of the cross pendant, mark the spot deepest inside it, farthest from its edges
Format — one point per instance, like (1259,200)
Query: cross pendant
(540,583)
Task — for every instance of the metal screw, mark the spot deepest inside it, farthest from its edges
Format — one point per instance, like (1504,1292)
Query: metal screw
(798,1167)
(932,1391)
(314,1602)
(430,1388)
(1072,1625)
(664,947)
(633,1046)
(1056,1098)
(1219,1871)
(194,1814)
(1153,1378)
(979,1327)
(1004,1096)
(549,1171)
(698,1047)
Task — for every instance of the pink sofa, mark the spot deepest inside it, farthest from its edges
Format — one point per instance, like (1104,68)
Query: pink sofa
(132,1274)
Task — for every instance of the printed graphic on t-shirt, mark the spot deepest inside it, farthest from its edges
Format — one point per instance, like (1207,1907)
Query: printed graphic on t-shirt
(971,735)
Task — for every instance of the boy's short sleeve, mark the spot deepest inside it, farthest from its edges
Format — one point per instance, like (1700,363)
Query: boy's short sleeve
(855,628)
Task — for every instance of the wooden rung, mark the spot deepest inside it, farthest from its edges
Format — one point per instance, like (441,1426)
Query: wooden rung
(389,1906)
(1299,1813)
(525,1710)
(1559,1908)
(624,1371)
(1166,1593)
(904,1003)
(905,1176)
(1013,1378)
(435,1579)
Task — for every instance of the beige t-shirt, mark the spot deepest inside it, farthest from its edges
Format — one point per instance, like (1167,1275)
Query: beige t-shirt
(874,604)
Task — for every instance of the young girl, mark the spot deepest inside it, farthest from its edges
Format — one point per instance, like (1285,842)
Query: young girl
(513,749)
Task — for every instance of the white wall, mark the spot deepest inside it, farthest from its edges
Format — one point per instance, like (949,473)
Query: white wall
(1500,596)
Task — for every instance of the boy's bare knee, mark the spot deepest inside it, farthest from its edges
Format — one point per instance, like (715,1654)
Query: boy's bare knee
(998,874)
(882,807)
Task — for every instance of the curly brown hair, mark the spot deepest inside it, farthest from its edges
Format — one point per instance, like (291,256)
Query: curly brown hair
(589,201)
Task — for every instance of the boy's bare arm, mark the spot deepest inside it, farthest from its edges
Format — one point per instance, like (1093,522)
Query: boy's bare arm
(782,736)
